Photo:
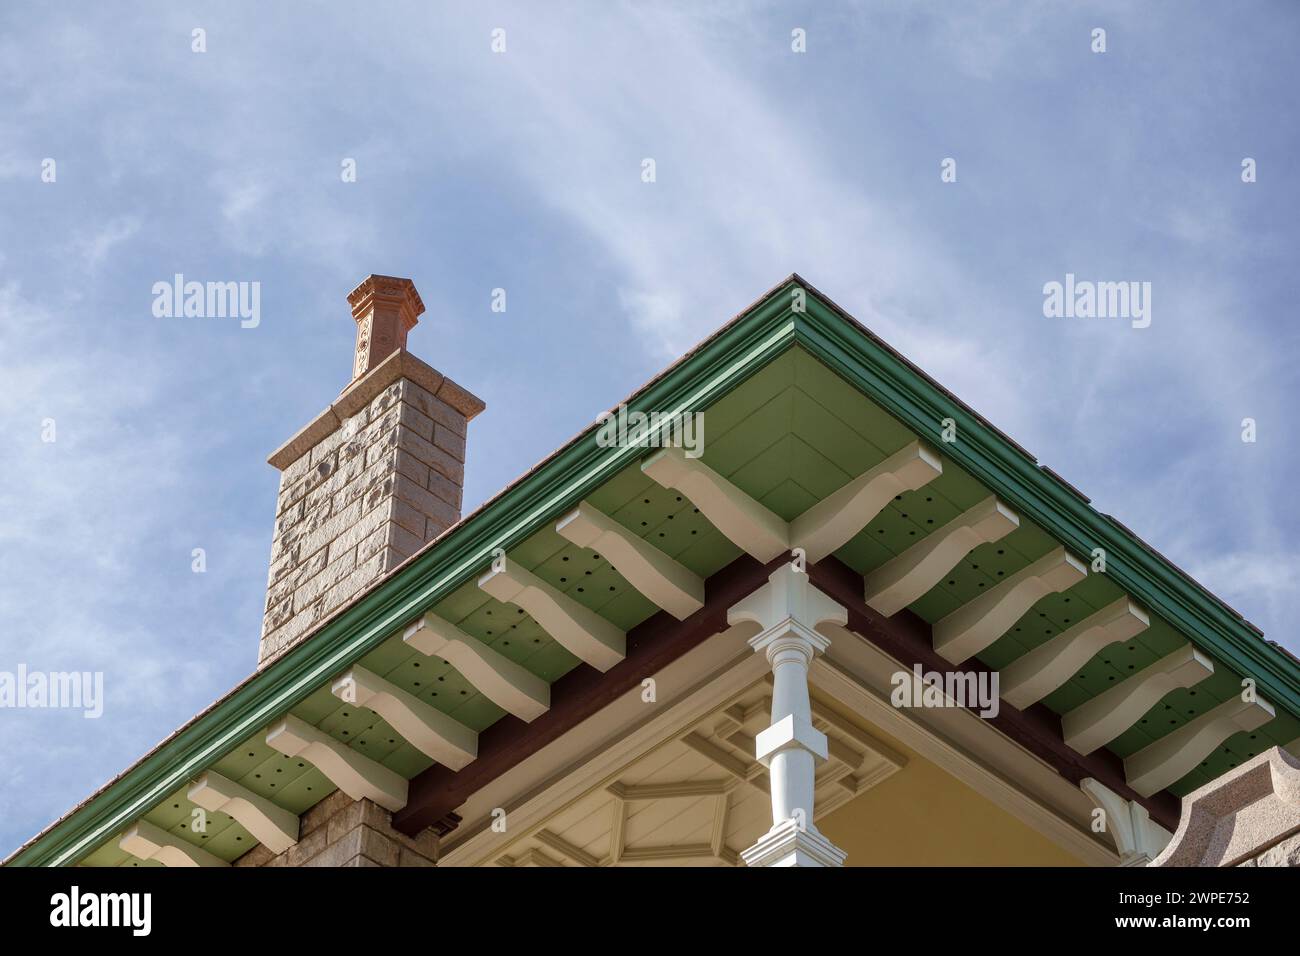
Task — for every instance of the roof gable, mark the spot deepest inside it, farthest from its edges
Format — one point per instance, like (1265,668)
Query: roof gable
(796,404)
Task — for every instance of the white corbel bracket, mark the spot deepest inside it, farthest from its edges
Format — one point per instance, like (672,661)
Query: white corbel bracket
(424,727)
(905,578)
(1030,678)
(1138,838)
(510,686)
(819,531)
(1176,754)
(578,629)
(979,622)
(672,587)
(746,523)
(144,841)
(352,772)
(273,826)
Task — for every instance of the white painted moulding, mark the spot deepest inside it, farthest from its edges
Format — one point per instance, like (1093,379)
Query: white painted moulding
(423,726)
(271,825)
(1138,838)
(831,523)
(789,845)
(1103,718)
(355,774)
(905,578)
(144,841)
(1176,754)
(662,580)
(1033,676)
(981,621)
(746,523)
(577,628)
(510,686)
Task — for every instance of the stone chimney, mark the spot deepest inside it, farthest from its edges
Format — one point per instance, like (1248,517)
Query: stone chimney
(371,479)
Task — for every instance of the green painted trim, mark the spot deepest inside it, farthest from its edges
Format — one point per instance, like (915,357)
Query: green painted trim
(757,336)
(921,405)
(721,363)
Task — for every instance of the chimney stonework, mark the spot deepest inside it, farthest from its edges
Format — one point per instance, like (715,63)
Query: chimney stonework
(372,479)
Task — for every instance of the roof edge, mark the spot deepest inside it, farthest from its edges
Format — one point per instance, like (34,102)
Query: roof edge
(762,331)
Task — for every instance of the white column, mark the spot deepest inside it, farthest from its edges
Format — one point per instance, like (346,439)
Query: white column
(789,608)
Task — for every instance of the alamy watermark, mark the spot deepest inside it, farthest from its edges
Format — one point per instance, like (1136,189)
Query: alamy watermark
(623,429)
(1098,300)
(921,688)
(55,690)
(74,908)
(208,300)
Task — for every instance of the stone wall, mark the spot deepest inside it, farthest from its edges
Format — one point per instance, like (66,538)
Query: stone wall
(1250,816)
(340,831)
(1286,853)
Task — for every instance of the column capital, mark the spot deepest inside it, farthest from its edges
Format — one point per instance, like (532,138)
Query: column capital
(786,637)
(788,595)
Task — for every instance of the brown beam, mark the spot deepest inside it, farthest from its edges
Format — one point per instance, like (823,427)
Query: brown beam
(906,638)
(652,645)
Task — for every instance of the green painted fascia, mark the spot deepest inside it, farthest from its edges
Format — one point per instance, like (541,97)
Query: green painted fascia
(756,337)
(748,344)
(921,404)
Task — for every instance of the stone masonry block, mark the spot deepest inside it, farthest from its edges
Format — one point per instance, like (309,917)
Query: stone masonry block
(450,442)
(317,585)
(416,421)
(404,542)
(445,415)
(374,542)
(419,398)
(438,459)
(300,575)
(330,528)
(308,846)
(433,528)
(407,515)
(444,488)
(353,533)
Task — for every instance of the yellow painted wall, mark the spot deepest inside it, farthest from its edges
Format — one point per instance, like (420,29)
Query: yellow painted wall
(922,816)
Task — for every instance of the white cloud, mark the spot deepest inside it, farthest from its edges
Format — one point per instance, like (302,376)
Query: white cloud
(94,245)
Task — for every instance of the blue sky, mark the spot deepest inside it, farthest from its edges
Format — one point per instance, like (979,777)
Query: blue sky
(522,171)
